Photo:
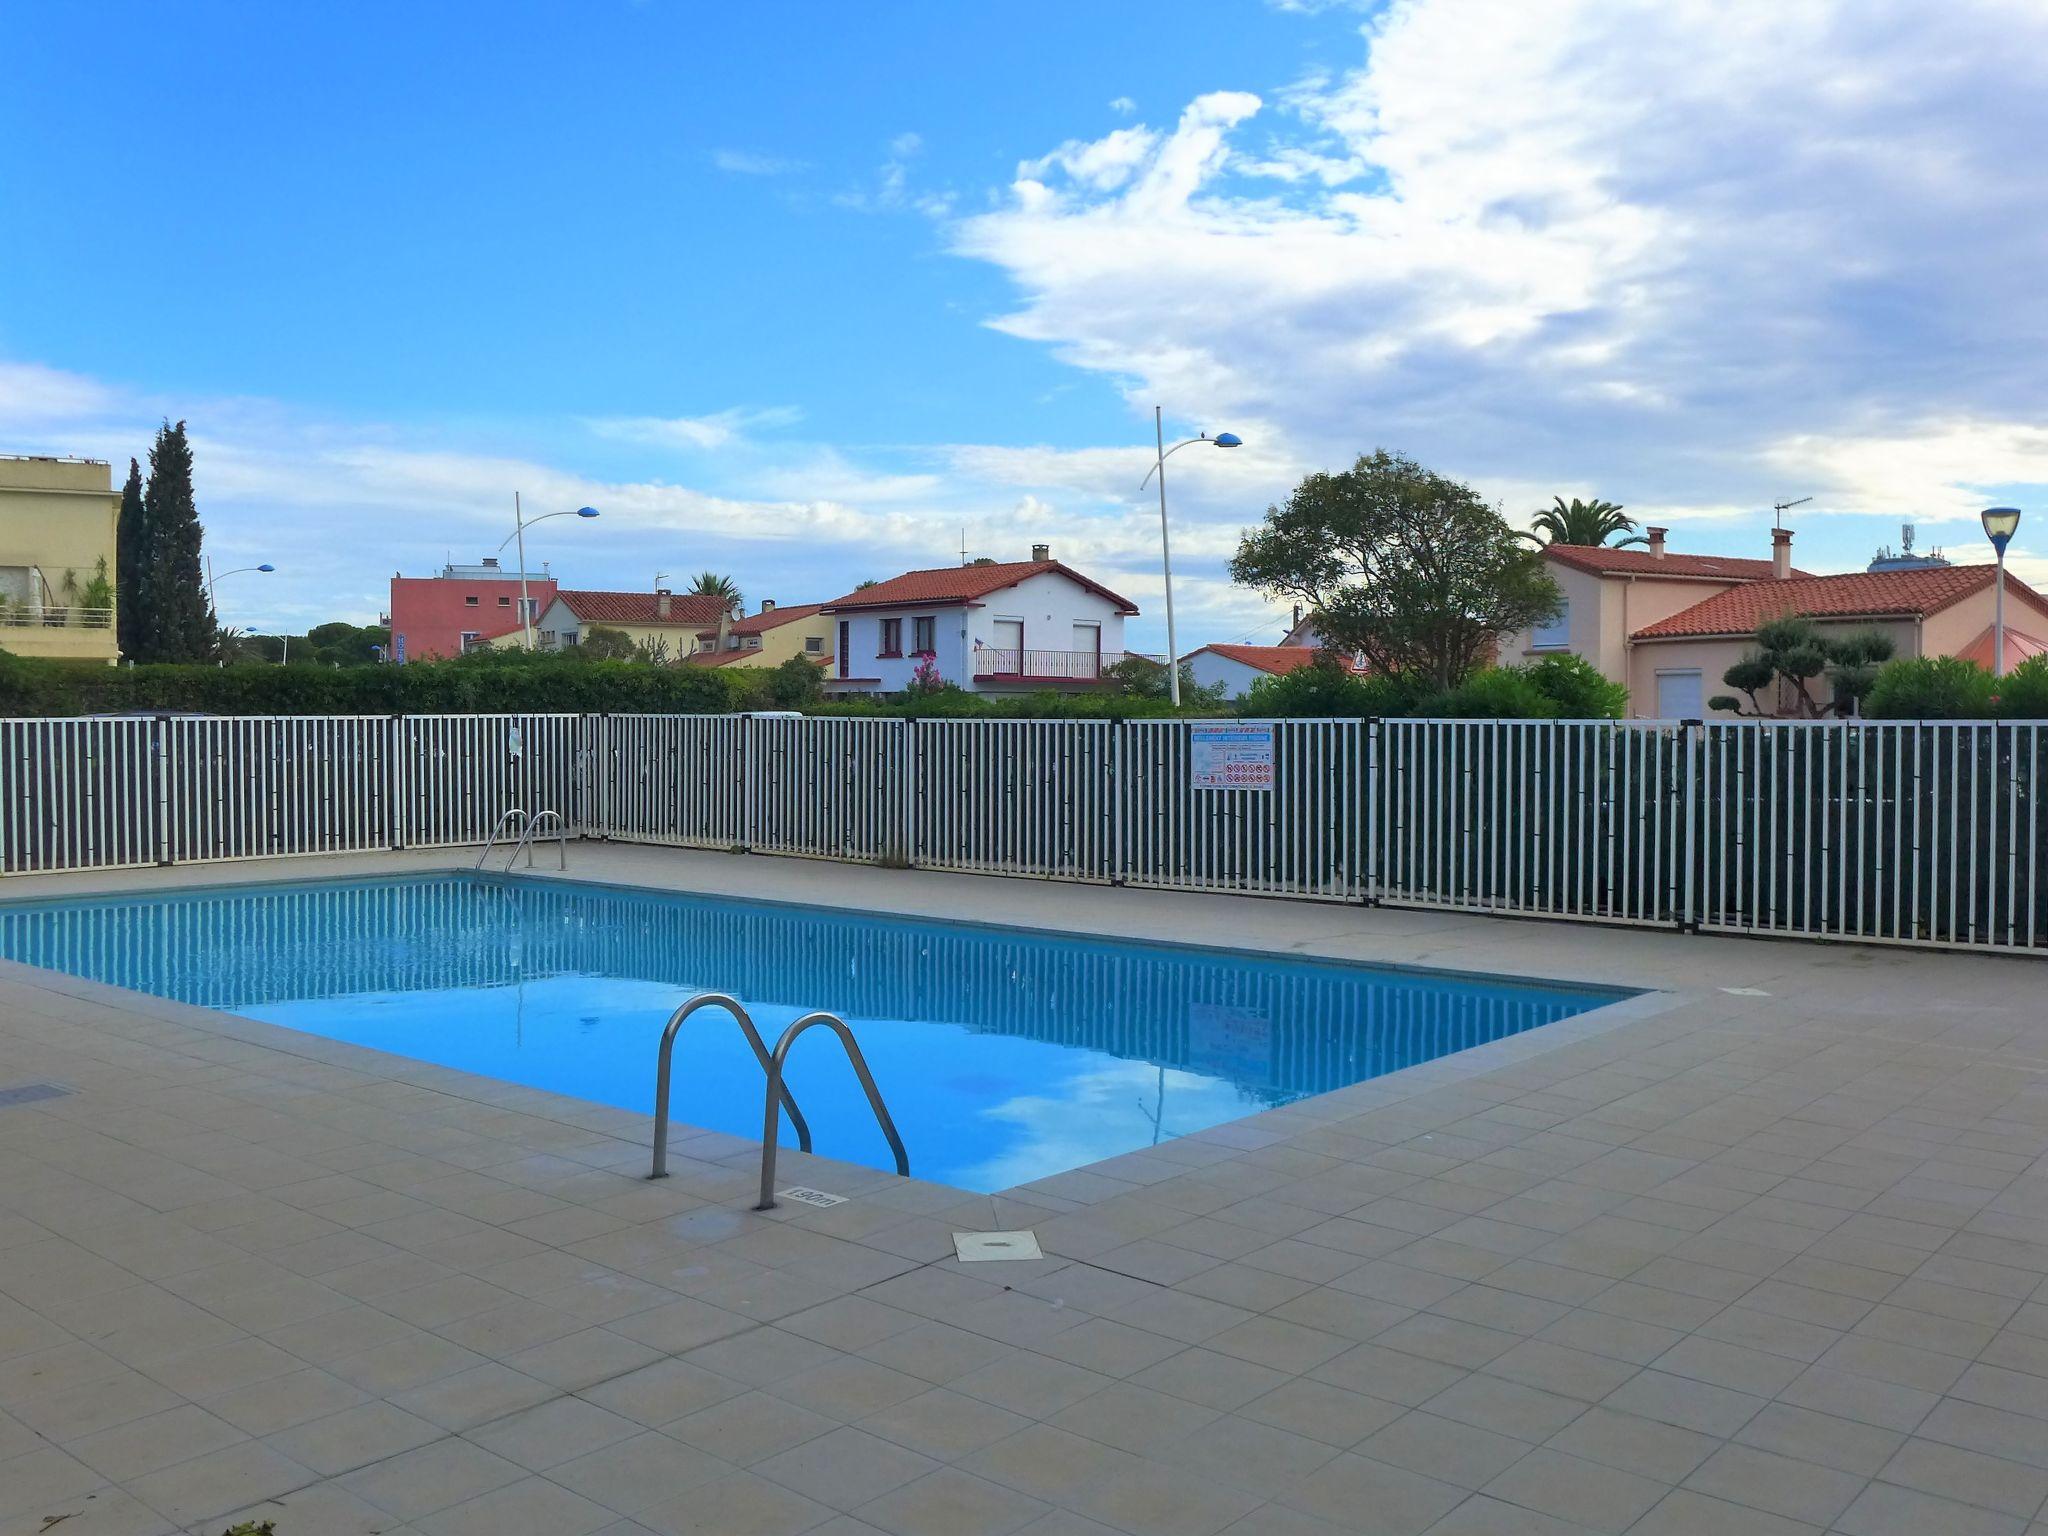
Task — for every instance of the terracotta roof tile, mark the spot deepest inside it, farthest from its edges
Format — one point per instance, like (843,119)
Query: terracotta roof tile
(761,623)
(1855,594)
(950,584)
(1267,658)
(1602,560)
(685,608)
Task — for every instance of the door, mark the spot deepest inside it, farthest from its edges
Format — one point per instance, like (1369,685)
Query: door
(1087,650)
(1009,645)
(1679,695)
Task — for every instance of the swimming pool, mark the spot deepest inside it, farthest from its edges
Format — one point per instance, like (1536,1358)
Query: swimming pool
(1004,1055)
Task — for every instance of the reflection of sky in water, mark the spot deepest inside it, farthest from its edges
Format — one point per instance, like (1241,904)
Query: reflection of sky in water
(1003,1056)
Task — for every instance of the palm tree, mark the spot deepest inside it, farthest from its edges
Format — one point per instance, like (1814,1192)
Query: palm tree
(711,584)
(1583,522)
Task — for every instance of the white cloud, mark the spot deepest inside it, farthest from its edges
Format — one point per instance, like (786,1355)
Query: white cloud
(1691,255)
(749,162)
(1123,106)
(721,429)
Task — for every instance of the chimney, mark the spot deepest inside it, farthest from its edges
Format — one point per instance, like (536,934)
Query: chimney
(767,605)
(661,603)
(1781,553)
(725,630)
(1041,552)
(1657,542)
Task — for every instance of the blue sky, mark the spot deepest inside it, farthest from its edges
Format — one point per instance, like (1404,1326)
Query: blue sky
(799,291)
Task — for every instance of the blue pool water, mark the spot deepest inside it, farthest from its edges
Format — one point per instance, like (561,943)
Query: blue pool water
(1004,1055)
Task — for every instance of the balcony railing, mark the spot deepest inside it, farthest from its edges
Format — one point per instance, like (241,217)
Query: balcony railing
(54,616)
(1063,666)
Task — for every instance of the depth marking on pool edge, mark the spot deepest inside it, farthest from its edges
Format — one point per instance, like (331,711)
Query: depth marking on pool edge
(986,1247)
(803,1194)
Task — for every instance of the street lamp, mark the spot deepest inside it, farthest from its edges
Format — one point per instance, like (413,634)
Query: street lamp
(519,527)
(2000,524)
(1220,440)
(212,580)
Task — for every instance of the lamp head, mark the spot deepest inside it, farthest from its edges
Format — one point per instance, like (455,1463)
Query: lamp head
(2000,524)
(1229,440)
(266,567)
(586,511)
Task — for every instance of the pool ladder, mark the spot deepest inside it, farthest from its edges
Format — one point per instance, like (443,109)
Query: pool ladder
(778,1098)
(527,826)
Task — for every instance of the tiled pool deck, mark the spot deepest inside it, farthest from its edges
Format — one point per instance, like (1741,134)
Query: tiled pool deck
(1712,1261)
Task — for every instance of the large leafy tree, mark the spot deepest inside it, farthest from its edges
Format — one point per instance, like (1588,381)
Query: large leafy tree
(1583,522)
(1792,655)
(1407,569)
(711,584)
(131,559)
(174,620)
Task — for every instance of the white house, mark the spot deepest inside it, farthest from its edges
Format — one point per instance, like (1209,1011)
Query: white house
(989,628)
(1237,667)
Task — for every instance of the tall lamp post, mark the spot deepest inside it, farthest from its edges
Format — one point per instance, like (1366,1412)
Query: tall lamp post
(2000,524)
(1220,440)
(213,581)
(519,526)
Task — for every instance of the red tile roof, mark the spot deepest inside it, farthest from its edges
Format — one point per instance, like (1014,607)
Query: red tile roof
(951,585)
(1602,560)
(761,623)
(1855,594)
(1266,658)
(685,608)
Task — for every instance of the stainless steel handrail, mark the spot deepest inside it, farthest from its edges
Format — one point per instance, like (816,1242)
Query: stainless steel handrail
(775,1085)
(514,815)
(661,1073)
(561,839)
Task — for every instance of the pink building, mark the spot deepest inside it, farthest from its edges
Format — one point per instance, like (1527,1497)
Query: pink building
(440,616)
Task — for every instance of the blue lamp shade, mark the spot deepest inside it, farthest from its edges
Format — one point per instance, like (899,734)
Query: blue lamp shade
(586,511)
(1229,440)
(2000,524)
(266,567)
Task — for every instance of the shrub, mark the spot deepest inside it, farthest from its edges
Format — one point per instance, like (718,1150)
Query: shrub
(2022,694)
(1931,688)
(1494,693)
(1325,687)
(1579,689)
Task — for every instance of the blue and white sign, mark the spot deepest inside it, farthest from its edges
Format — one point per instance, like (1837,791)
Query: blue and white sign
(398,648)
(1230,755)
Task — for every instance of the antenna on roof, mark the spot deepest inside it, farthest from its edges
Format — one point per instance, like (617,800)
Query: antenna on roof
(963,543)
(1780,508)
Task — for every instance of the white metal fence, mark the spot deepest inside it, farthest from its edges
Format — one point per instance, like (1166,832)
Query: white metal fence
(1914,833)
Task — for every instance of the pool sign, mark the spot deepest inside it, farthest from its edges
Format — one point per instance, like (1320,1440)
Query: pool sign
(1230,756)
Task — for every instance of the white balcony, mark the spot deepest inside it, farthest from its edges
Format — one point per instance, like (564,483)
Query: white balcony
(1043,666)
(20,615)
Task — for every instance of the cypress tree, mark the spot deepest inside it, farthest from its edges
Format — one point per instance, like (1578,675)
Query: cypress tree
(176,621)
(131,558)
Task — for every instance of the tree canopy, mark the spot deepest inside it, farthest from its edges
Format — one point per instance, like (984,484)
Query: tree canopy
(1593,522)
(1409,570)
(712,584)
(1790,653)
(173,617)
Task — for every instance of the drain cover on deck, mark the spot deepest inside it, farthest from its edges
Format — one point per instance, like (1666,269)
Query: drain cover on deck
(30,1093)
(982,1247)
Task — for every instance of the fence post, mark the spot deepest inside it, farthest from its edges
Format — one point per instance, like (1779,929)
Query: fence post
(1690,804)
(912,765)
(160,743)
(1113,798)
(1369,790)
(750,772)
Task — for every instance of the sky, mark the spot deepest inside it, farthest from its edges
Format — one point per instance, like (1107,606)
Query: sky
(807,294)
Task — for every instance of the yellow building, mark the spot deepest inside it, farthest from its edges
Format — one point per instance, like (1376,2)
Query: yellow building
(768,638)
(57,521)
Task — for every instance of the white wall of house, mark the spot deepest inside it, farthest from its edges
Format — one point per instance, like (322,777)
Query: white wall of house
(1045,609)
(1208,670)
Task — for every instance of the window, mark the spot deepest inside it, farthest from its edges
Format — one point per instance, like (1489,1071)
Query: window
(1553,634)
(923,636)
(469,601)
(753,642)
(469,637)
(504,602)
(1679,694)
(813,645)
(892,638)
